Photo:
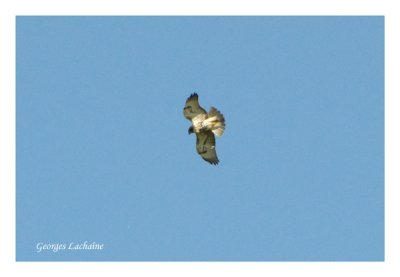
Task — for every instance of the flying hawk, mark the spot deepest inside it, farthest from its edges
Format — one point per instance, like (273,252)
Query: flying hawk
(204,125)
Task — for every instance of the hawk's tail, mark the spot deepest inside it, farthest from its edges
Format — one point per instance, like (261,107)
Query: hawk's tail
(218,121)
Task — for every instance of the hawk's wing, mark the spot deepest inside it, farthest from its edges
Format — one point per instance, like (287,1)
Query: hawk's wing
(192,107)
(205,146)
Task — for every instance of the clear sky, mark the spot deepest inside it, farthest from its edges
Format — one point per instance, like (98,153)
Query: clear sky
(103,152)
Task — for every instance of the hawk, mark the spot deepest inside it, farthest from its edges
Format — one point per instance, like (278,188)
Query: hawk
(204,125)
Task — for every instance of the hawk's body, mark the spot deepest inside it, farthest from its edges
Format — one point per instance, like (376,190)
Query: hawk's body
(204,125)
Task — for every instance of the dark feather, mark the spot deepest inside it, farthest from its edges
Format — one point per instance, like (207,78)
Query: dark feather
(192,107)
(205,146)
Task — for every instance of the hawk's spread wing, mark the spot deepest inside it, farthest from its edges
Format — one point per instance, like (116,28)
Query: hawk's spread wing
(205,146)
(192,107)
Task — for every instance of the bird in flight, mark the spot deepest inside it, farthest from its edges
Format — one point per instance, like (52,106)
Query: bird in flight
(204,125)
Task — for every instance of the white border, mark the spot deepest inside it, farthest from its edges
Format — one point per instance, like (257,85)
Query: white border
(9,9)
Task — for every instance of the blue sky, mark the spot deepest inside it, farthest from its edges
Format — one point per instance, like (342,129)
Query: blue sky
(103,153)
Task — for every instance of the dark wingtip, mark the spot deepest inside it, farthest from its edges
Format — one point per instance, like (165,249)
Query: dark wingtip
(193,95)
(212,162)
